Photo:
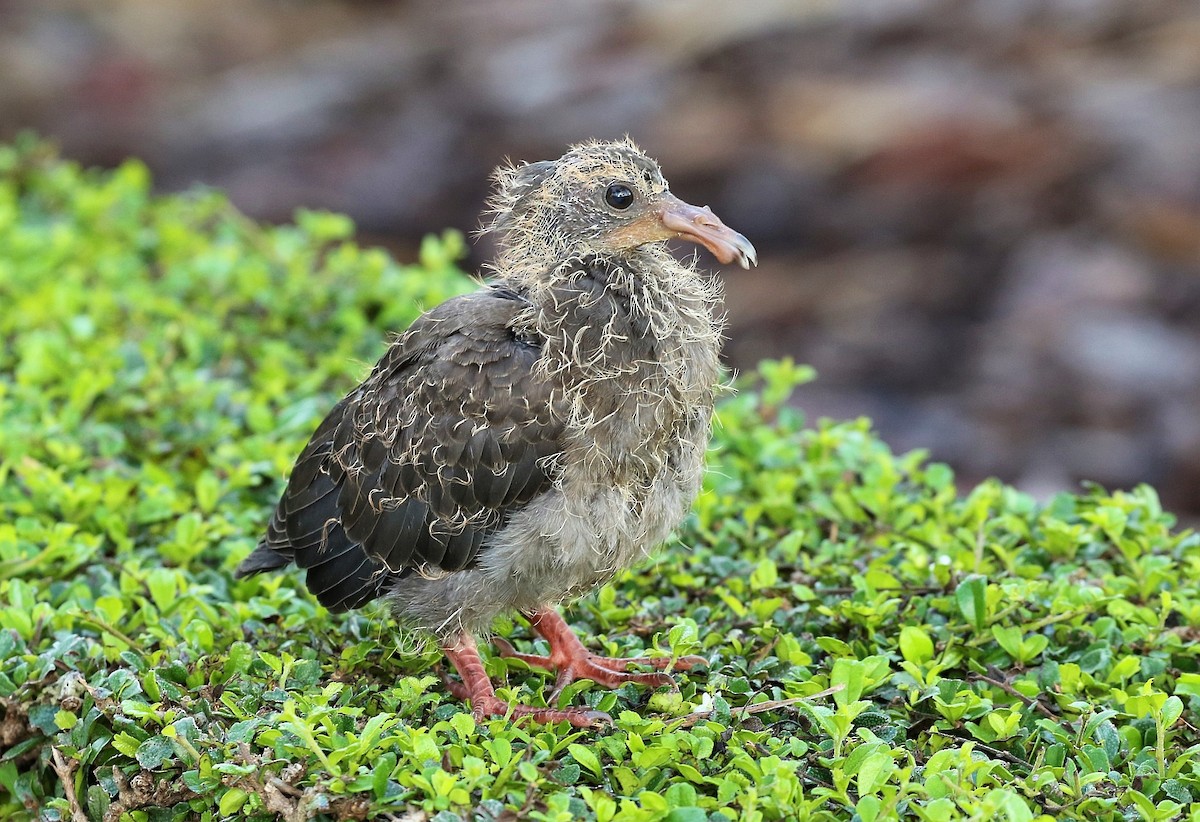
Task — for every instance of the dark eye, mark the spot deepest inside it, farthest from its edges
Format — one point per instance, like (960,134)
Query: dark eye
(619,196)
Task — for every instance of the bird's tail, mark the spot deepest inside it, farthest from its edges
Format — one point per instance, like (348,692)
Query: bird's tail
(263,558)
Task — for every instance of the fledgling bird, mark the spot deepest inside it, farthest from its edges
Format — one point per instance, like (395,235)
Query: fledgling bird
(518,446)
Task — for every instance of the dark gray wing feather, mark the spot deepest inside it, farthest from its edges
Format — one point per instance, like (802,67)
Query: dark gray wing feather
(415,467)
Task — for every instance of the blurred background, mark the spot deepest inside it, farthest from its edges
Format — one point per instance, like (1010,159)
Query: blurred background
(979,219)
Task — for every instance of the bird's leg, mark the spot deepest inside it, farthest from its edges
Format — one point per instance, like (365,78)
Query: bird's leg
(572,661)
(475,687)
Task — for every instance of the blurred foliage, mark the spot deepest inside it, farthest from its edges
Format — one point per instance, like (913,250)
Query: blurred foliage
(880,644)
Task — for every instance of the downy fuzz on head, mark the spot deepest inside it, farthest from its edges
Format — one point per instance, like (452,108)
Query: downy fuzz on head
(604,199)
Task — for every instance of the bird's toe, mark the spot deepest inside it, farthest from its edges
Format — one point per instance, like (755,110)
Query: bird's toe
(659,663)
(485,707)
(507,651)
(606,676)
(455,687)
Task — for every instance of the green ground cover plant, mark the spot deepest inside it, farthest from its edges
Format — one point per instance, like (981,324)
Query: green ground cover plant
(882,644)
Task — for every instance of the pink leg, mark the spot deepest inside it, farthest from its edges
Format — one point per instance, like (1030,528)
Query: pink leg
(477,688)
(572,661)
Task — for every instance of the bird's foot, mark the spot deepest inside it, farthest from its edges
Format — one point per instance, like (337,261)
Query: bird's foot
(571,660)
(609,672)
(477,689)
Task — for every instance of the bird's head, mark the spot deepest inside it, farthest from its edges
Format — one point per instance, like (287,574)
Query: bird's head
(604,198)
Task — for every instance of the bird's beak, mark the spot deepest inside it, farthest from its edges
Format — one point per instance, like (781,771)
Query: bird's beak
(700,225)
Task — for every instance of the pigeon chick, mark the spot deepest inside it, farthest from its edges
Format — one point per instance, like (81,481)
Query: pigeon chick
(518,446)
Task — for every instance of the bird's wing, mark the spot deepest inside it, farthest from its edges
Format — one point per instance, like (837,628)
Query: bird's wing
(417,465)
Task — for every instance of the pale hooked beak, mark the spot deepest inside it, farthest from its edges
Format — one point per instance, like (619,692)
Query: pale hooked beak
(700,225)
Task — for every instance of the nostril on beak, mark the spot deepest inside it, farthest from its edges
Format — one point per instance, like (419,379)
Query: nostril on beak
(700,225)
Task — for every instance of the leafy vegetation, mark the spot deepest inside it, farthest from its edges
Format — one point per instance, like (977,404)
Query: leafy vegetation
(880,645)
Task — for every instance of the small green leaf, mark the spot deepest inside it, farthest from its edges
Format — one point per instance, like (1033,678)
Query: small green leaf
(1172,709)
(856,677)
(208,491)
(586,758)
(232,801)
(1188,684)
(98,802)
(463,725)
(1178,791)
(163,585)
(154,752)
(971,596)
(868,808)
(501,750)
(382,773)
(305,674)
(764,575)
(199,634)
(915,644)
(874,772)
(237,663)
(1144,805)
(1106,734)
(126,744)
(1009,639)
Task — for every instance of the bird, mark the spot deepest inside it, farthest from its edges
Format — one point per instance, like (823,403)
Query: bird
(519,445)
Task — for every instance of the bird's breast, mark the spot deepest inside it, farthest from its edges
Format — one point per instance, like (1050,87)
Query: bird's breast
(588,528)
(634,366)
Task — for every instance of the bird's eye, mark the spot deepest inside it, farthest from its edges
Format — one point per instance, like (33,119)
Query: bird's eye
(619,196)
